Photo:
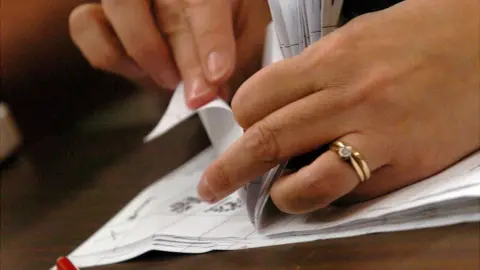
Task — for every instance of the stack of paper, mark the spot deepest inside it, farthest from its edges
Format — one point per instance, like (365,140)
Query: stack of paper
(301,23)
(169,216)
(296,25)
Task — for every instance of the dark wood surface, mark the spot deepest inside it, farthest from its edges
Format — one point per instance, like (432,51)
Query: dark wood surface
(56,194)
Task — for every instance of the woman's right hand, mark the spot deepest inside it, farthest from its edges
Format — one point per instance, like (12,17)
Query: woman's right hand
(208,44)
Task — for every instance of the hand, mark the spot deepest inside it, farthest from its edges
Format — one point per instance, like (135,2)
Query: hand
(201,42)
(401,85)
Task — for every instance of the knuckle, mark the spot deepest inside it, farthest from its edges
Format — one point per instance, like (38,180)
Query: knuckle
(375,81)
(173,23)
(212,33)
(210,30)
(350,36)
(373,89)
(379,83)
(171,17)
(319,188)
(327,51)
(308,194)
(346,99)
(322,193)
(205,27)
(261,143)
(247,100)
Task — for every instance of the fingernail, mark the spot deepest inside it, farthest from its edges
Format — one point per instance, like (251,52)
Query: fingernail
(216,65)
(198,88)
(205,192)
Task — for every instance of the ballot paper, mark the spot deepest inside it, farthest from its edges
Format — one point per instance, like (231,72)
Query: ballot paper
(294,33)
(301,23)
(169,216)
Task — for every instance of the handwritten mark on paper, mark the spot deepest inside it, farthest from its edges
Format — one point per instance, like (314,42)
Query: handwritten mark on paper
(142,206)
(227,206)
(184,205)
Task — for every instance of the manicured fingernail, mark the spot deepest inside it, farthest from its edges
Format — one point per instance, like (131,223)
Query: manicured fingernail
(205,192)
(217,64)
(198,89)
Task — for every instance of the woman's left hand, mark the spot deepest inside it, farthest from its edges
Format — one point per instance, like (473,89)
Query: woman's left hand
(402,86)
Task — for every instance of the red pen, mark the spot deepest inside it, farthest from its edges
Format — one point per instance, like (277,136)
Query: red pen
(63,263)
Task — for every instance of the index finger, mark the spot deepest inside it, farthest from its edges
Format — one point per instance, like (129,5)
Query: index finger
(254,153)
(133,23)
(298,128)
(211,24)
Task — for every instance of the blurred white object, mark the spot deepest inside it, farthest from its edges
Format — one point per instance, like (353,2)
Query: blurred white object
(10,137)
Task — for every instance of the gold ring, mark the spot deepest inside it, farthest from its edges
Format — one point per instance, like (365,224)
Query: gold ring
(348,153)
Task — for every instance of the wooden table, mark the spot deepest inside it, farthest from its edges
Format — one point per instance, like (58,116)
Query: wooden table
(57,193)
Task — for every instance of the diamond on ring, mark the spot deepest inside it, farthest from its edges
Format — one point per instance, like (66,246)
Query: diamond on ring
(356,160)
(345,152)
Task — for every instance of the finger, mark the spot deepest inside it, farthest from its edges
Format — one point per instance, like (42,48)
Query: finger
(134,25)
(295,129)
(385,180)
(284,82)
(173,23)
(250,44)
(93,35)
(328,178)
(212,26)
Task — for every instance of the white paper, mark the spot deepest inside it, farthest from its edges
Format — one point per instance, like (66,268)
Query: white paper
(330,15)
(168,215)
(303,22)
(313,12)
(216,116)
